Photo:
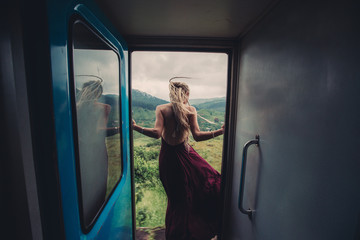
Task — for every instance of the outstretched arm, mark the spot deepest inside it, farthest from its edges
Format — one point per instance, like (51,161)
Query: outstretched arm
(152,132)
(201,135)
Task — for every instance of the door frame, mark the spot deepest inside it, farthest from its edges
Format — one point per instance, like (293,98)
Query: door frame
(211,45)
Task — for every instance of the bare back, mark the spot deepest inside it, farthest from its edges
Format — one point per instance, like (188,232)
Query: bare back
(169,133)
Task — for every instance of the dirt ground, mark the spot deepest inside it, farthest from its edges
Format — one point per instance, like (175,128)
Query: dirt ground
(157,233)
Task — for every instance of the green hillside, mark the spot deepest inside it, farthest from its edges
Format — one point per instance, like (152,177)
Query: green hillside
(145,100)
(217,104)
(198,101)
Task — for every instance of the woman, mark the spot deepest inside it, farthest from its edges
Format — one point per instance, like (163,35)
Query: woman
(191,184)
(92,120)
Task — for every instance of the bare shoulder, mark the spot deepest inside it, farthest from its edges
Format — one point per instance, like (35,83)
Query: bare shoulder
(163,107)
(104,106)
(192,109)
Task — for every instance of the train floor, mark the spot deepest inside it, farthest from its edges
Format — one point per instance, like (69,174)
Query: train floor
(144,233)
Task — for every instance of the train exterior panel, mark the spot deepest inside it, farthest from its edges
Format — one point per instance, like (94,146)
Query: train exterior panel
(115,218)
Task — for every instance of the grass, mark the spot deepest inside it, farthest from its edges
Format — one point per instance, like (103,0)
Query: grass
(113,146)
(210,150)
(154,203)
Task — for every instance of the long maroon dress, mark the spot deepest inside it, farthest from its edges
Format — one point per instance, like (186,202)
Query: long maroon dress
(193,190)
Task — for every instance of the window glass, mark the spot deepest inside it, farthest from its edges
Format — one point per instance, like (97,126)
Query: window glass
(96,90)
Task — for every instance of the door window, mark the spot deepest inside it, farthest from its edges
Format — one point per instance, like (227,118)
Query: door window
(97,119)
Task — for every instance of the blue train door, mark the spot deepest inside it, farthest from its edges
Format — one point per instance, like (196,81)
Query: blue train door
(89,64)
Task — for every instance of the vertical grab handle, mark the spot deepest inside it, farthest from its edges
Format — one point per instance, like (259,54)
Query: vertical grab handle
(242,176)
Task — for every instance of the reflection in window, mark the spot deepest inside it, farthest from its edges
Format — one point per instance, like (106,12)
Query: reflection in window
(97,100)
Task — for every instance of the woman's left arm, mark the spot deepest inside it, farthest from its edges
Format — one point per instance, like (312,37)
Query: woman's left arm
(202,135)
(154,132)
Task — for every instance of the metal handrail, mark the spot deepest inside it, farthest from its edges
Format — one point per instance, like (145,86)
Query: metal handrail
(256,141)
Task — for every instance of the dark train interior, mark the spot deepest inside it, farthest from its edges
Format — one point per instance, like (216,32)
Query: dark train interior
(293,79)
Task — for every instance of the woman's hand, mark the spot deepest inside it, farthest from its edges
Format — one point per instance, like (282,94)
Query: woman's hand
(133,123)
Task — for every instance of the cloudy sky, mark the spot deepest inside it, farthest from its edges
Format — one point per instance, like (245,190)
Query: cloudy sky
(151,72)
(101,63)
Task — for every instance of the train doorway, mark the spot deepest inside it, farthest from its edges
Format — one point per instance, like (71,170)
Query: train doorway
(206,73)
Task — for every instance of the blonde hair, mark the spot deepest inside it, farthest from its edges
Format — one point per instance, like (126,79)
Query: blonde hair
(90,92)
(179,94)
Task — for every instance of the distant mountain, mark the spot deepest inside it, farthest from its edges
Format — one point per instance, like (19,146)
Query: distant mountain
(145,100)
(217,104)
(149,102)
(204,100)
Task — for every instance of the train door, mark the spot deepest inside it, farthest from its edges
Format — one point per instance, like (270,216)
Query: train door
(299,179)
(89,64)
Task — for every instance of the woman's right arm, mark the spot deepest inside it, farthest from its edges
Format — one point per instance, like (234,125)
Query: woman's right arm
(154,132)
(195,129)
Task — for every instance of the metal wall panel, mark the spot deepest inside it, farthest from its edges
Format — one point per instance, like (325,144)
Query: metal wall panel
(299,89)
